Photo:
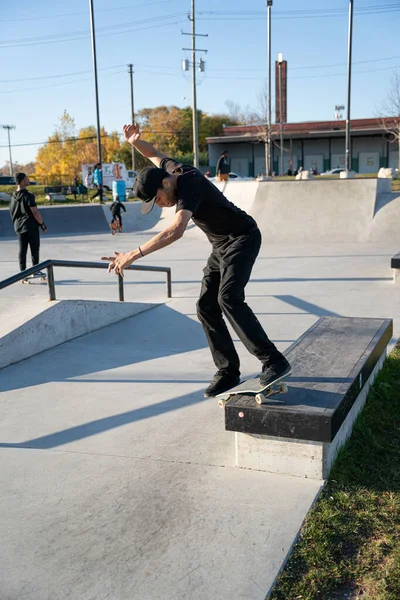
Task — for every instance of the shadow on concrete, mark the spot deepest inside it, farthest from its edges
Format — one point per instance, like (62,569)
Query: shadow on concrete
(383,200)
(307,307)
(79,432)
(137,339)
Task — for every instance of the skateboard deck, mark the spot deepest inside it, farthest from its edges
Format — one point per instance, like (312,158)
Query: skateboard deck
(35,276)
(116,226)
(252,387)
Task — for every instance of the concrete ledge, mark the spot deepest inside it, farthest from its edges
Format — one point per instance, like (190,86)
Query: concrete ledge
(60,322)
(299,458)
(395,264)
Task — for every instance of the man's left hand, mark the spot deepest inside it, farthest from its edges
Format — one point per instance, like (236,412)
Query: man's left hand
(119,262)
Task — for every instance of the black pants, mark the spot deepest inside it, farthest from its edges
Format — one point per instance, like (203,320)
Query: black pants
(226,275)
(31,239)
(98,193)
(119,217)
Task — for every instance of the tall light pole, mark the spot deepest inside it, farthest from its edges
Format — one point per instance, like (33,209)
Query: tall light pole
(96,87)
(280,60)
(132,115)
(350,45)
(9,127)
(269,116)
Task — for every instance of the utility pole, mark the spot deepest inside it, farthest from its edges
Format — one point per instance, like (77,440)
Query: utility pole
(96,87)
(280,60)
(193,49)
(350,45)
(269,118)
(9,127)
(132,115)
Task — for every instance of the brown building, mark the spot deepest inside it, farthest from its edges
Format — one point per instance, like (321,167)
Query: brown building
(314,145)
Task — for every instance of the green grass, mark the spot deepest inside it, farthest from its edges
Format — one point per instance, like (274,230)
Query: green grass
(349,545)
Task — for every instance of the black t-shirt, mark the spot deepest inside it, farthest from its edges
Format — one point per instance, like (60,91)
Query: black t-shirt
(116,208)
(20,210)
(222,166)
(212,212)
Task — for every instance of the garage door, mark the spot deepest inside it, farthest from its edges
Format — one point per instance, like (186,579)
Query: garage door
(394,160)
(368,162)
(314,161)
(338,160)
(240,166)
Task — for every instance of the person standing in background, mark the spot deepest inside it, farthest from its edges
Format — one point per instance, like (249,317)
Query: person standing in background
(26,220)
(223,167)
(98,182)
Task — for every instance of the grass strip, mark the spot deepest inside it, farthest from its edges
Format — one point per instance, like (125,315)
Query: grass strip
(349,545)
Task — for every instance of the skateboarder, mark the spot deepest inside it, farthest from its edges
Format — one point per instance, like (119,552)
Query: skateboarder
(235,240)
(115,208)
(27,220)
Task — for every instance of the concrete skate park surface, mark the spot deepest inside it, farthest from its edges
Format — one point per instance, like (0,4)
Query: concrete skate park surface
(118,479)
(316,210)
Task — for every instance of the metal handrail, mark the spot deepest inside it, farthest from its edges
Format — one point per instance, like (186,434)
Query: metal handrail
(51,263)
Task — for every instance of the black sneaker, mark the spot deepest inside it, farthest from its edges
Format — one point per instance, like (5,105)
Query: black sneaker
(222,381)
(273,371)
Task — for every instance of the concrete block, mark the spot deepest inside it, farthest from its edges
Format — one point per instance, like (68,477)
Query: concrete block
(59,322)
(347,175)
(299,458)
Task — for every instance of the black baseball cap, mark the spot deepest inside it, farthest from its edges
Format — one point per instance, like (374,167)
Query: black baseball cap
(146,185)
(19,177)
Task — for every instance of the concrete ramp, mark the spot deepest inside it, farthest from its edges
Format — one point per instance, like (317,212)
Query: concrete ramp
(386,222)
(321,210)
(44,326)
(63,220)
(241,193)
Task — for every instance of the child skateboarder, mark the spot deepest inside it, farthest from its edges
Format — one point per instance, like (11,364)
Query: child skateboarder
(116,208)
(235,240)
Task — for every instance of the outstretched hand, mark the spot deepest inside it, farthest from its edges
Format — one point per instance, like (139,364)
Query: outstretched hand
(131,133)
(119,262)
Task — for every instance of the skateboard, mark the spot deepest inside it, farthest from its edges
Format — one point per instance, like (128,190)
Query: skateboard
(252,387)
(40,276)
(116,226)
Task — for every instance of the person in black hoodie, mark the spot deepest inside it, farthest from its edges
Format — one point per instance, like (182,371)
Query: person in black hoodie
(27,220)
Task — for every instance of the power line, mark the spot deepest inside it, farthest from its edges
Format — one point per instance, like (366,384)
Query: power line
(57,76)
(309,76)
(106,135)
(140,69)
(75,14)
(83,34)
(51,85)
(280,15)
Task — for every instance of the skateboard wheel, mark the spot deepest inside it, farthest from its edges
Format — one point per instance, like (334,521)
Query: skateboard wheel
(283,388)
(260,398)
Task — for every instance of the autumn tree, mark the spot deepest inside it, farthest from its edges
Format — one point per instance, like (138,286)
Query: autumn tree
(391,112)
(170,129)
(60,160)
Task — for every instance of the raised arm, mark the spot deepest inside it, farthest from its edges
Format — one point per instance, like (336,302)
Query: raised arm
(132,135)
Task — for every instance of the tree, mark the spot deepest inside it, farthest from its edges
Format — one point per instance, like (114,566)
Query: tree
(391,112)
(60,160)
(170,129)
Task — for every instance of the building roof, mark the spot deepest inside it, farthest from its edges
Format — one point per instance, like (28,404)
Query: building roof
(311,129)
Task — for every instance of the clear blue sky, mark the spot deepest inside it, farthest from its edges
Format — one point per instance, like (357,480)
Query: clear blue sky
(46,62)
